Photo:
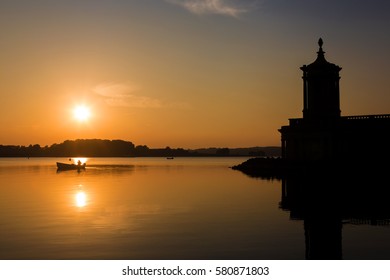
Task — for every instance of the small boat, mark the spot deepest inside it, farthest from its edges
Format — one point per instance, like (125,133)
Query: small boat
(66,166)
(169,157)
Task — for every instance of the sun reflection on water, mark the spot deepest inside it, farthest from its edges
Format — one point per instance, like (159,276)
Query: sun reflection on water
(81,199)
(77,159)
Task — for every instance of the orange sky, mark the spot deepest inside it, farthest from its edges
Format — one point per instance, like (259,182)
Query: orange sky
(166,73)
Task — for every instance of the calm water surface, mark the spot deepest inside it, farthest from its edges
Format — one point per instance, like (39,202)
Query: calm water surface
(154,208)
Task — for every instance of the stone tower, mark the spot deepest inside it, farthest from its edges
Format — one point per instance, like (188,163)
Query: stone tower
(321,94)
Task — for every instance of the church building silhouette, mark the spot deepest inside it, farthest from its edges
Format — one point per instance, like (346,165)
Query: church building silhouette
(323,134)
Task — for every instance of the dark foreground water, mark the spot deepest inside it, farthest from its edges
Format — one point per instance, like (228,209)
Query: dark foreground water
(185,208)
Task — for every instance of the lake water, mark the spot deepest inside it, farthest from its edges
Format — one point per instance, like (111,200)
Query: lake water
(185,208)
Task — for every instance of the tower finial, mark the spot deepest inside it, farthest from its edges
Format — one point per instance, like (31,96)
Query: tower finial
(320,42)
(320,51)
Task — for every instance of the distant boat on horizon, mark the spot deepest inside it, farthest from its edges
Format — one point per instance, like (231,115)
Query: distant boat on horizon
(170,157)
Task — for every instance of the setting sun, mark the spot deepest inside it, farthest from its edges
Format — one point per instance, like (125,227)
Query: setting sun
(81,113)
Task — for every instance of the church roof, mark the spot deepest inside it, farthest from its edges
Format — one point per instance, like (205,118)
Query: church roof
(321,64)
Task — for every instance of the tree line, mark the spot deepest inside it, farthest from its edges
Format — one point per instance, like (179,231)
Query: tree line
(75,148)
(121,148)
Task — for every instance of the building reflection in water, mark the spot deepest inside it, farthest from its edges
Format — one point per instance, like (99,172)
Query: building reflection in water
(326,202)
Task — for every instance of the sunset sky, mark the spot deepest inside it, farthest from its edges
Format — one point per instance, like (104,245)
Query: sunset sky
(181,73)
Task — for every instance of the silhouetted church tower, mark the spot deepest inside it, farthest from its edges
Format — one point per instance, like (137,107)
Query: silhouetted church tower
(321,94)
(323,134)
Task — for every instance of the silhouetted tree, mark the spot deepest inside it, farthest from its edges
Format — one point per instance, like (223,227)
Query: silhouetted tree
(141,150)
(223,152)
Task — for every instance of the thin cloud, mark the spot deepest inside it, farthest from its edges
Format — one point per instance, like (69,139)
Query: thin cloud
(221,7)
(123,95)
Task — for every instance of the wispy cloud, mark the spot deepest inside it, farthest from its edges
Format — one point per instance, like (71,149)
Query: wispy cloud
(222,7)
(124,95)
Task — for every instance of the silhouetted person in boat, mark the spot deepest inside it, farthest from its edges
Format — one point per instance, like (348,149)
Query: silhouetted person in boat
(79,163)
